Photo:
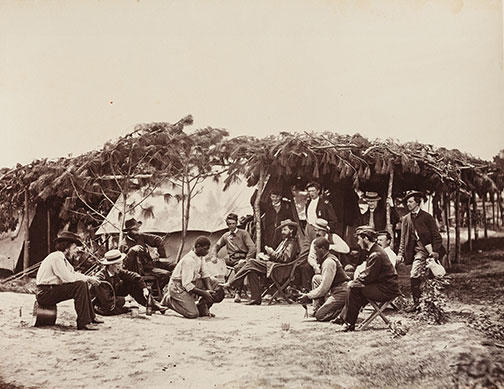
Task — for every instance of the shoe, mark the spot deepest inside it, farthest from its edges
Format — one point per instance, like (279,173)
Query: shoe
(254,302)
(237,298)
(97,321)
(412,308)
(348,327)
(86,327)
(338,320)
(158,307)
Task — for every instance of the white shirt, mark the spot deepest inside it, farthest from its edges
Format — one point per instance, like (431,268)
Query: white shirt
(391,255)
(56,270)
(311,212)
(339,246)
(189,269)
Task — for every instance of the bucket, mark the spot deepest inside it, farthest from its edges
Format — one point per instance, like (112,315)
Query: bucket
(45,315)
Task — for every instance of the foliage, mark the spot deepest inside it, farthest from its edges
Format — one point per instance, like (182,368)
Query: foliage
(433,300)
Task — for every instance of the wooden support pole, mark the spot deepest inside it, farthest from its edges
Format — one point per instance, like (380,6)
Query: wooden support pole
(26,249)
(257,209)
(390,228)
(48,213)
(469,223)
(446,201)
(485,227)
(475,213)
(493,211)
(457,227)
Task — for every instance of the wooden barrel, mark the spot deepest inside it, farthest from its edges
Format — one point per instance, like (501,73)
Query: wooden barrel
(45,314)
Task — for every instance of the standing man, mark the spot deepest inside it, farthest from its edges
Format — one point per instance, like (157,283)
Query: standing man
(138,258)
(274,212)
(116,283)
(420,239)
(191,291)
(239,247)
(317,207)
(58,281)
(329,288)
(378,281)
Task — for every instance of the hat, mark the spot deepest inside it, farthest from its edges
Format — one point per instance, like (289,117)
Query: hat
(232,216)
(287,222)
(370,196)
(131,224)
(322,224)
(367,231)
(112,256)
(67,236)
(411,193)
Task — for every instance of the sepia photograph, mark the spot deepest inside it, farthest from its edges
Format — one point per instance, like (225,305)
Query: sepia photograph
(252,194)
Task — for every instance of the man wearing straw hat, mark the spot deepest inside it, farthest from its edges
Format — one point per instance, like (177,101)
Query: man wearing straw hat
(58,281)
(116,283)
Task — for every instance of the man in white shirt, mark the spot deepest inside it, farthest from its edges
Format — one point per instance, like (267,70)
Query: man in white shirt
(316,208)
(384,240)
(58,281)
(190,282)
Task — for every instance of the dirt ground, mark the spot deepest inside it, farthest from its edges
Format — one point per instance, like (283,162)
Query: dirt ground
(265,346)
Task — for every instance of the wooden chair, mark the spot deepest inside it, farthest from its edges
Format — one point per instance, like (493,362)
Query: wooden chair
(378,310)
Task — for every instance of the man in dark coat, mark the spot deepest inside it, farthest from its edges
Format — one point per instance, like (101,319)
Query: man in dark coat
(375,215)
(378,282)
(116,283)
(273,213)
(420,239)
(318,208)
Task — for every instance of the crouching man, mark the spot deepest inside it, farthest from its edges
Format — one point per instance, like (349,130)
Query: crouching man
(58,281)
(116,283)
(191,292)
(329,288)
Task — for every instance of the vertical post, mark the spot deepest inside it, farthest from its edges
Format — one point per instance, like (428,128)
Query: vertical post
(475,213)
(257,209)
(469,223)
(446,201)
(457,227)
(48,215)
(387,206)
(26,250)
(485,227)
(492,197)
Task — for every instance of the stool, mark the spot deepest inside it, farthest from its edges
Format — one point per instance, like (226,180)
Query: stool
(45,314)
(153,284)
(379,307)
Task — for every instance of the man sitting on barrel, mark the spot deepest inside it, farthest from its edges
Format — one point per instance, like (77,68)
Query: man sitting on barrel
(58,281)
(116,283)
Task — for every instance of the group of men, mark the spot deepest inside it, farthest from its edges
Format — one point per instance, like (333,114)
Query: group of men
(191,290)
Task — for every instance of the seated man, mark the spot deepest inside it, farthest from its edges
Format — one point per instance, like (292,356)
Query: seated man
(378,281)
(384,240)
(191,292)
(138,258)
(336,246)
(58,281)
(329,288)
(116,283)
(286,251)
(239,246)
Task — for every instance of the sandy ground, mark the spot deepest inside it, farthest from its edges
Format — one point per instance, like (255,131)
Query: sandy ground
(242,347)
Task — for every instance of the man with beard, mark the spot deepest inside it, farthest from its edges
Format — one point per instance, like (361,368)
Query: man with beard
(329,288)
(58,281)
(116,283)
(378,281)
(254,269)
(274,212)
(420,239)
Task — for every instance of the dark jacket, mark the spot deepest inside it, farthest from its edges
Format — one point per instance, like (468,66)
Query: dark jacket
(325,211)
(140,261)
(379,269)
(427,231)
(380,218)
(271,220)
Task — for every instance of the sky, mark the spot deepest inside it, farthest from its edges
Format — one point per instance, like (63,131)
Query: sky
(75,74)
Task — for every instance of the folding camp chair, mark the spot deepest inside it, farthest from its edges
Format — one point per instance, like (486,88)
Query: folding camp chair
(378,310)
(281,276)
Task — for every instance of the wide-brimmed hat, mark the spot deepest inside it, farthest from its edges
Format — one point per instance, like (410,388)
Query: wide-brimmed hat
(322,224)
(411,193)
(287,222)
(371,196)
(131,224)
(112,256)
(367,231)
(67,236)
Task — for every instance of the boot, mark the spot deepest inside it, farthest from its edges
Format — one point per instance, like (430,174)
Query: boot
(158,307)
(415,293)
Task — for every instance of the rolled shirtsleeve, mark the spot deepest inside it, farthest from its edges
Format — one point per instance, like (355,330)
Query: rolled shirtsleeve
(65,272)
(187,275)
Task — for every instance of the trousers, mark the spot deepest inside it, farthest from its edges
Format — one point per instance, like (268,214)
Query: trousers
(327,308)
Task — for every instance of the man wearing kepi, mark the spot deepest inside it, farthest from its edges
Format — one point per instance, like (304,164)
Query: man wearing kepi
(58,281)
(116,283)
(420,239)
(191,291)
(329,288)
(378,281)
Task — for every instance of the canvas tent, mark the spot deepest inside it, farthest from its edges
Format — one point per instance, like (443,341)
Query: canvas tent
(160,213)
